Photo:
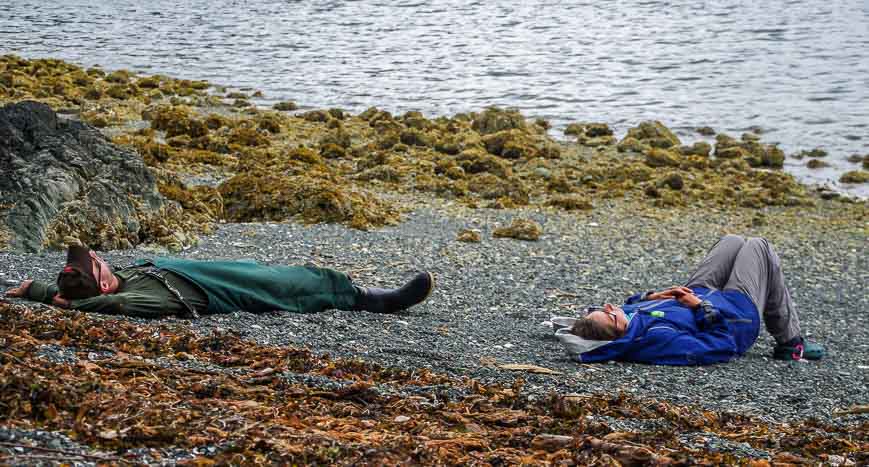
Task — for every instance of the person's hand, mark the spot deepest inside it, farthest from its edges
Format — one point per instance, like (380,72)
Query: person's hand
(669,293)
(20,291)
(59,301)
(688,299)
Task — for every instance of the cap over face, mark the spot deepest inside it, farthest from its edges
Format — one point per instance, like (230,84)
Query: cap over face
(85,275)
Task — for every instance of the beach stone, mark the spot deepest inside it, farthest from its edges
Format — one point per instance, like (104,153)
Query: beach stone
(520,229)
(469,236)
(59,171)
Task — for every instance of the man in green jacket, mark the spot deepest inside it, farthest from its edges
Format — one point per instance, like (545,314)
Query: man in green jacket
(188,288)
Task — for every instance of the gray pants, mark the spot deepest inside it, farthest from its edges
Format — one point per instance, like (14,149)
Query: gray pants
(751,266)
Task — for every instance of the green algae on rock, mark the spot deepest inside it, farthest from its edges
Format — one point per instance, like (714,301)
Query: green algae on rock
(855,176)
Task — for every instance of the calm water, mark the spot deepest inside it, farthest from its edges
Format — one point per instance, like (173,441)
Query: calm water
(799,70)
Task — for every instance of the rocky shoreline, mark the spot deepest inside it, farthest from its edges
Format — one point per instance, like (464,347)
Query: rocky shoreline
(397,193)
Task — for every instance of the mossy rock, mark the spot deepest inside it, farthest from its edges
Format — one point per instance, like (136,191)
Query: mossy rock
(269,122)
(630,144)
(149,82)
(383,173)
(316,116)
(176,121)
(338,136)
(441,186)
(247,136)
(520,229)
(337,114)
(216,121)
(258,196)
(475,161)
(414,137)
(305,155)
(705,131)
(699,148)
(813,153)
(591,134)
(332,151)
(731,152)
(673,181)
(571,202)
(119,76)
(511,144)
(489,186)
(285,106)
(494,120)
(855,176)
(816,164)
(119,91)
(654,134)
(656,157)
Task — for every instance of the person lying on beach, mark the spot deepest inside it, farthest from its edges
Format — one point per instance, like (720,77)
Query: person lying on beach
(188,288)
(712,318)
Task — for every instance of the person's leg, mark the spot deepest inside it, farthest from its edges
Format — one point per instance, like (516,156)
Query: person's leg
(714,271)
(392,300)
(757,273)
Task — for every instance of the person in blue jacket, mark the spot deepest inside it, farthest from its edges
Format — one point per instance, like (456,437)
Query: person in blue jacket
(712,318)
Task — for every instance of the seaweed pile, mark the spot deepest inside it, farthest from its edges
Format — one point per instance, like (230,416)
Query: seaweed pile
(131,389)
(223,158)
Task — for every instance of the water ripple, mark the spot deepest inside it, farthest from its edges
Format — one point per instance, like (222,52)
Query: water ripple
(801,68)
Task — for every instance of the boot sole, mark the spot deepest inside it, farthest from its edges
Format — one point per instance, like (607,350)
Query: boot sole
(431,280)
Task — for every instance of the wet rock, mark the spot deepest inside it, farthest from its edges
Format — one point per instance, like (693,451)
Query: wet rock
(705,131)
(469,236)
(855,176)
(64,179)
(814,153)
(630,144)
(816,164)
(654,134)
(700,148)
(493,120)
(316,116)
(661,158)
(673,181)
(285,106)
(591,134)
(476,160)
(520,229)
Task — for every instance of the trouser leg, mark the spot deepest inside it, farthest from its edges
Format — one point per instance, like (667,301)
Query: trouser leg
(311,289)
(757,273)
(714,271)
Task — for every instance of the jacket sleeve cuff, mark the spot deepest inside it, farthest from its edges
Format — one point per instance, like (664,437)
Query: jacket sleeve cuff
(709,315)
(41,291)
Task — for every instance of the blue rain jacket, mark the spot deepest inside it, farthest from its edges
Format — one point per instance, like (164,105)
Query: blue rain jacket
(665,332)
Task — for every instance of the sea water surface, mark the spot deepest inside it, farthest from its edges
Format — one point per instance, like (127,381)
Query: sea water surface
(797,70)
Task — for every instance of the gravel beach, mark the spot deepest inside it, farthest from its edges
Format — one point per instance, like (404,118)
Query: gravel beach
(492,298)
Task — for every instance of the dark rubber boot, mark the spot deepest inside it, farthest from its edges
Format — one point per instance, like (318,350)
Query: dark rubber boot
(394,300)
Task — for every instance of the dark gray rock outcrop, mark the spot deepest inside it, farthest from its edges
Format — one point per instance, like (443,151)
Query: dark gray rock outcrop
(62,180)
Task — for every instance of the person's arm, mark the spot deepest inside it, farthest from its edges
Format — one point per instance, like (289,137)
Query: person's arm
(664,345)
(127,303)
(37,291)
(665,294)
